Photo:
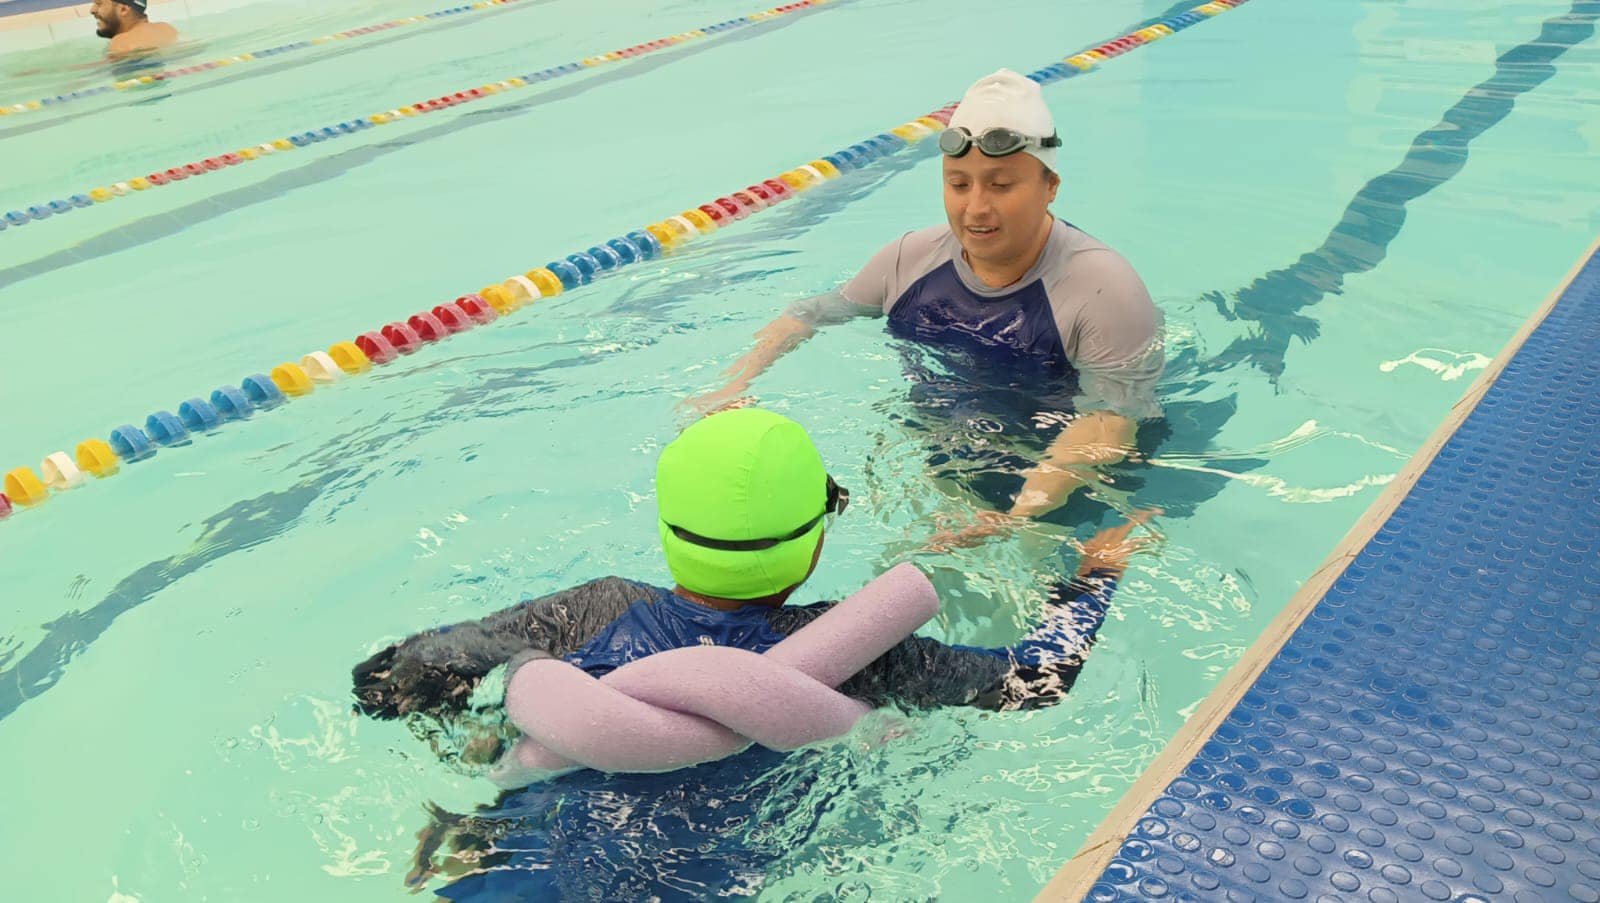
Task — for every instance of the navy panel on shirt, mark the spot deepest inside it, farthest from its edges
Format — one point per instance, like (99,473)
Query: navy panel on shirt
(995,364)
(940,309)
(666,621)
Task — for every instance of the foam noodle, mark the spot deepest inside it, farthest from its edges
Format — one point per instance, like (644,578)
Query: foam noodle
(674,709)
(691,705)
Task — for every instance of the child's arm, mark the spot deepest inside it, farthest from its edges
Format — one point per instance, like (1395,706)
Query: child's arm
(1038,670)
(436,671)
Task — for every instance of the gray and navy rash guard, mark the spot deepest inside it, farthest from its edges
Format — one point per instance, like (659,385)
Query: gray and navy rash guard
(1077,332)
(604,624)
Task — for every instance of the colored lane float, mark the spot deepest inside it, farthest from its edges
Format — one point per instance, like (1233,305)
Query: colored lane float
(170,74)
(159,178)
(376,348)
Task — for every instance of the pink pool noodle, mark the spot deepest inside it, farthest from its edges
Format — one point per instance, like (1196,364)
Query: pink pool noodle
(692,705)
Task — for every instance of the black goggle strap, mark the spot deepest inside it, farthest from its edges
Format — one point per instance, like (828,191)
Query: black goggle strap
(838,498)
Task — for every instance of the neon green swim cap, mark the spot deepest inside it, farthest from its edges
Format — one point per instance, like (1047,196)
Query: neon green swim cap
(741,478)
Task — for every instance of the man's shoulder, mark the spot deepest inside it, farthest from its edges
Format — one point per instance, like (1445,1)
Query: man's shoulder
(931,237)
(152,36)
(1077,248)
(919,243)
(931,247)
(925,250)
(1086,268)
(898,264)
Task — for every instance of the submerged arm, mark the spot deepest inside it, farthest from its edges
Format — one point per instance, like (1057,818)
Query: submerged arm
(1036,671)
(1091,440)
(436,671)
(799,322)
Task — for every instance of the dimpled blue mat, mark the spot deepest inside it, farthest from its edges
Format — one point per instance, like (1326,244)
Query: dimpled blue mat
(1431,731)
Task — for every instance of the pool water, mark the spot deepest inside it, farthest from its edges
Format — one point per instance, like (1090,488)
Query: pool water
(175,642)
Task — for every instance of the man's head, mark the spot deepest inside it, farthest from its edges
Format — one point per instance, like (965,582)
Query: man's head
(742,497)
(1000,169)
(113,18)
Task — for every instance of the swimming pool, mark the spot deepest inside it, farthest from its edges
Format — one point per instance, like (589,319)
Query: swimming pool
(200,611)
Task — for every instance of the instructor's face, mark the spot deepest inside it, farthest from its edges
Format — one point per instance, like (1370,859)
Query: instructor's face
(997,206)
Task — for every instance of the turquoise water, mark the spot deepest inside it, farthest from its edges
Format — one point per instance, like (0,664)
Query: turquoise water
(175,642)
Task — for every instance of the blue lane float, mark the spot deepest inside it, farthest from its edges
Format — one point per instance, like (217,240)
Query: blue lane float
(648,246)
(165,429)
(626,251)
(569,275)
(605,257)
(587,266)
(199,415)
(262,391)
(130,443)
(231,403)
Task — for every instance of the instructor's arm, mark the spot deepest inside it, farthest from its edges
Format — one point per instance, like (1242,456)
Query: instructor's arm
(1093,439)
(1116,347)
(863,296)
(773,341)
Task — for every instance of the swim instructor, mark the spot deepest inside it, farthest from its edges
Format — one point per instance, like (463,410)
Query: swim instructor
(129,28)
(1011,301)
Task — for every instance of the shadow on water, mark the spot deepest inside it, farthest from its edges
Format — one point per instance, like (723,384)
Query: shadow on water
(1275,303)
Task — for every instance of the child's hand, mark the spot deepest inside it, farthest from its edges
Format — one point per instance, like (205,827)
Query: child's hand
(398,681)
(433,673)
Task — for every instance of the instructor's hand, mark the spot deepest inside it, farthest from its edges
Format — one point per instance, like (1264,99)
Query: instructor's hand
(988,524)
(1112,548)
(730,397)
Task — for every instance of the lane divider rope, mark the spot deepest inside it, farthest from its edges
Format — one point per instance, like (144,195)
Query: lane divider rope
(263,391)
(104,194)
(139,81)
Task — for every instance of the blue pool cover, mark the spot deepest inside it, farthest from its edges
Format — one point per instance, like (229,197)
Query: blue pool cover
(1431,731)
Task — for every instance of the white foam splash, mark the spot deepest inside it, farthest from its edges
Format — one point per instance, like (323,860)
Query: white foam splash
(1457,366)
(346,857)
(1279,488)
(1302,435)
(329,742)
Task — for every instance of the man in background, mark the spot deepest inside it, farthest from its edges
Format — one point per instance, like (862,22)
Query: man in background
(129,28)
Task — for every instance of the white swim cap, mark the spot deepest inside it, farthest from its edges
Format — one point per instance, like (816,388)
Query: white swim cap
(1008,100)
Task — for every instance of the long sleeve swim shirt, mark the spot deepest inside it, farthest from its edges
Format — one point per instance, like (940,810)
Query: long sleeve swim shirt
(1077,332)
(605,623)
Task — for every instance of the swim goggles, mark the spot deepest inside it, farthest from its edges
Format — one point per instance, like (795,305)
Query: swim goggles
(995,142)
(838,500)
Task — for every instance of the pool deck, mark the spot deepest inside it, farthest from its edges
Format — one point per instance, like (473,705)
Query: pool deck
(1422,721)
